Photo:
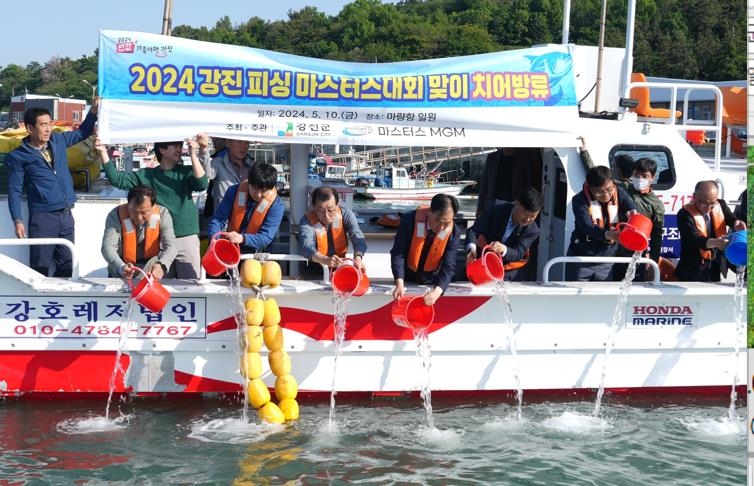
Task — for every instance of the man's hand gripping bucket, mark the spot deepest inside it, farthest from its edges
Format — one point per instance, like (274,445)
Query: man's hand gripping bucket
(220,256)
(349,280)
(489,268)
(149,292)
(735,251)
(634,235)
(410,311)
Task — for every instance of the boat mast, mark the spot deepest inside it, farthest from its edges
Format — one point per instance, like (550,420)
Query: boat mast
(600,52)
(167,18)
(566,21)
(628,60)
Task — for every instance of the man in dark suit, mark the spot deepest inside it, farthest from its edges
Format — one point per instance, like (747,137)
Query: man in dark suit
(703,225)
(509,229)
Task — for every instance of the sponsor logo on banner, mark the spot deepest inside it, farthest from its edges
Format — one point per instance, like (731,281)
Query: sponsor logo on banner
(662,316)
(357,131)
(125,47)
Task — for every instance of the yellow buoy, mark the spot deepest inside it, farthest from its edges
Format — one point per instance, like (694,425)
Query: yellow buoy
(259,394)
(273,337)
(251,365)
(271,413)
(251,273)
(286,387)
(280,363)
(254,311)
(254,339)
(289,407)
(271,313)
(271,274)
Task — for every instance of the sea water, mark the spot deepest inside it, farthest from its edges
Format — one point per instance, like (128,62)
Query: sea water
(200,441)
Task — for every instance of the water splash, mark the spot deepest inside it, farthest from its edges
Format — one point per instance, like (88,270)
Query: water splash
(239,310)
(232,431)
(619,318)
(739,315)
(502,293)
(340,302)
(92,425)
(576,423)
(124,329)
(424,353)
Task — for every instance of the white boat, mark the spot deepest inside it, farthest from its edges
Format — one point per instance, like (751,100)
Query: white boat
(396,184)
(59,336)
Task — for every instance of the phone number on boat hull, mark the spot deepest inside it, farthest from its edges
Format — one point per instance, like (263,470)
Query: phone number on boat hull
(183,331)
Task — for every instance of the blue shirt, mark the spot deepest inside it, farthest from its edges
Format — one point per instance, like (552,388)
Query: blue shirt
(251,241)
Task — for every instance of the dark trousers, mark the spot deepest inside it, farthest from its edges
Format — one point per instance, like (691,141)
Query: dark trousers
(586,272)
(57,224)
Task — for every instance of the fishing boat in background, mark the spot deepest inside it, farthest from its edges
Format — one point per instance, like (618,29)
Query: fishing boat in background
(397,184)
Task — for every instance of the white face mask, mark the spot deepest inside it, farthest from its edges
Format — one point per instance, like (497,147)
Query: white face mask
(640,184)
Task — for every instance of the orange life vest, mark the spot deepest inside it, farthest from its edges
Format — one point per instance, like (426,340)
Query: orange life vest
(718,225)
(599,213)
(239,209)
(337,230)
(128,234)
(434,256)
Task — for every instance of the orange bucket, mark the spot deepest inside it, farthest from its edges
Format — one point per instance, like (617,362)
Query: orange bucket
(488,268)
(411,311)
(347,279)
(220,256)
(634,235)
(150,293)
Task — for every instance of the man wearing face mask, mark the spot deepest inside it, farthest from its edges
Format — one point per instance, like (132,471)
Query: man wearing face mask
(648,204)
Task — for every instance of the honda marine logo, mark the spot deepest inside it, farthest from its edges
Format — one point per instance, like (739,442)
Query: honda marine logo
(662,315)
(663,310)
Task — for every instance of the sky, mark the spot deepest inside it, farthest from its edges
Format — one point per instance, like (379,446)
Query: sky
(71,29)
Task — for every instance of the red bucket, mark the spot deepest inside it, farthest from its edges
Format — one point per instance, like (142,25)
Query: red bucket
(150,293)
(487,269)
(347,279)
(220,256)
(634,235)
(411,311)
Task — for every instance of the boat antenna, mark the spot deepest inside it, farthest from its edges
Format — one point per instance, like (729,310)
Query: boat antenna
(167,18)
(599,57)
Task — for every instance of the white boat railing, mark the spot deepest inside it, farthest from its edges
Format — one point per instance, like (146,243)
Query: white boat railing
(326,271)
(47,241)
(715,125)
(595,259)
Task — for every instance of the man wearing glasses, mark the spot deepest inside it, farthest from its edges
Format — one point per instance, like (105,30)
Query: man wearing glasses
(597,209)
(703,225)
(326,229)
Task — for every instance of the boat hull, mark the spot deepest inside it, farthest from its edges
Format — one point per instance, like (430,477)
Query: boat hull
(53,343)
(410,194)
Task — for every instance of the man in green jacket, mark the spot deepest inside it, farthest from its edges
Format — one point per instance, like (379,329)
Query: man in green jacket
(648,204)
(174,184)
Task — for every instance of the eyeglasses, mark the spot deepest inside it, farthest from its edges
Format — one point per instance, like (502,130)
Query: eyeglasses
(607,192)
(328,211)
(707,204)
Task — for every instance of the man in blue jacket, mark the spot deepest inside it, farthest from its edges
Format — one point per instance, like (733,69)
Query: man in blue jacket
(250,213)
(40,168)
